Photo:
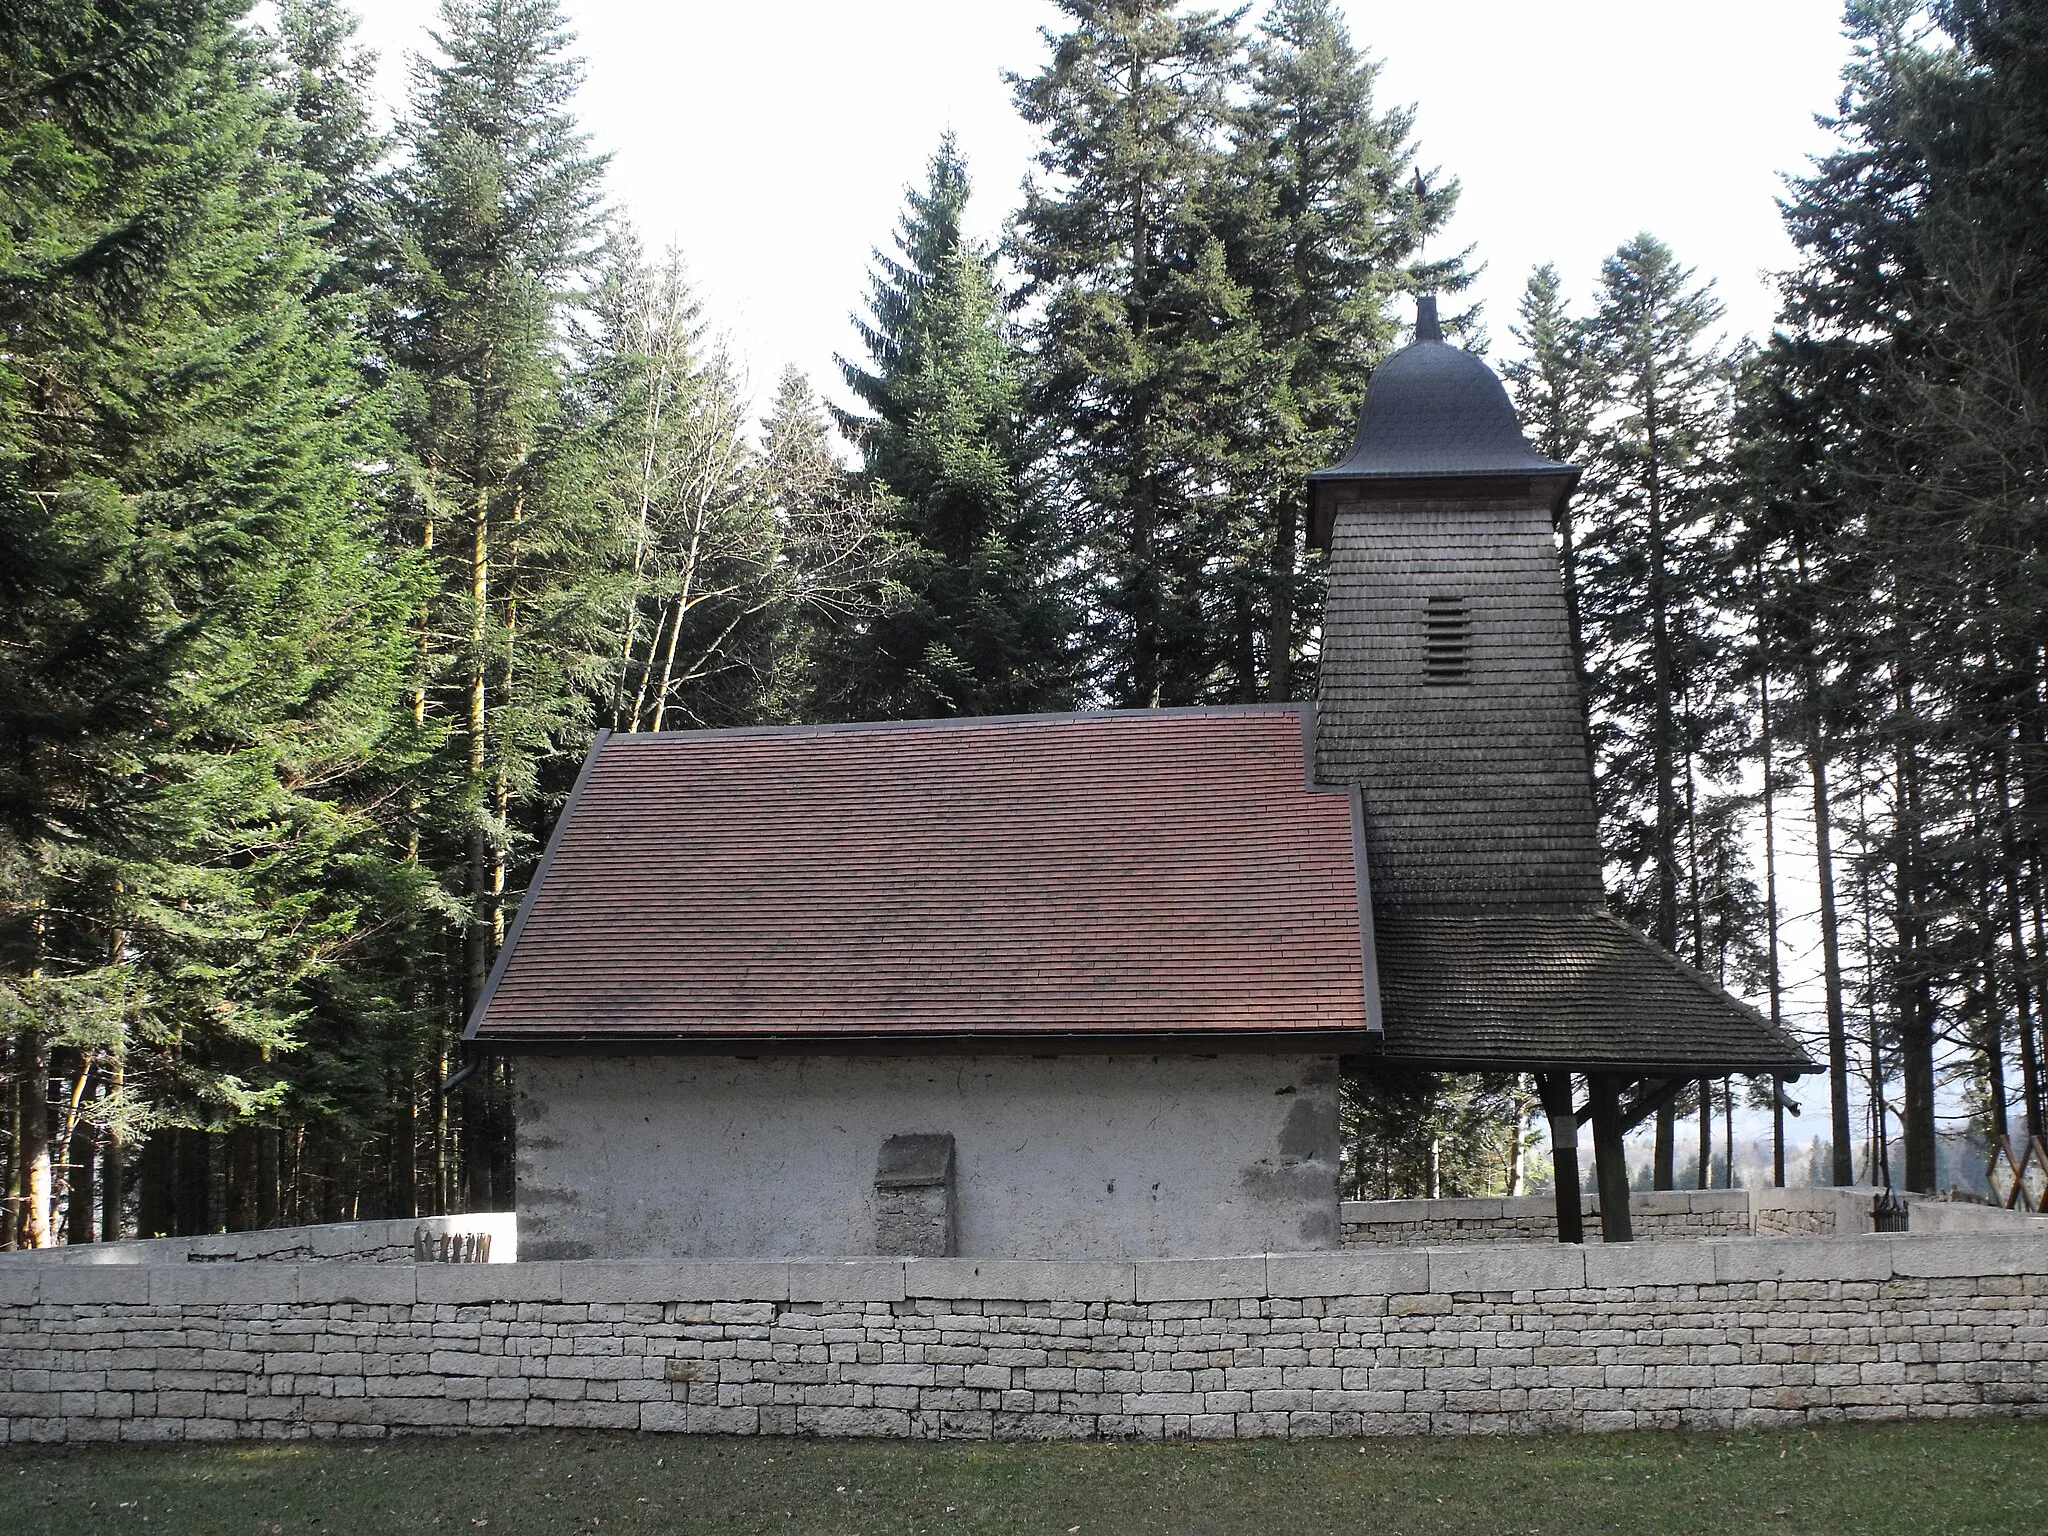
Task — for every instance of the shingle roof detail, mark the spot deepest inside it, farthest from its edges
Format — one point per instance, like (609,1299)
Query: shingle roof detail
(1506,987)
(1141,873)
(1478,791)
(1435,409)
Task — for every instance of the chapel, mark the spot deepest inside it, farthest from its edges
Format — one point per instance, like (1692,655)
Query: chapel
(1088,985)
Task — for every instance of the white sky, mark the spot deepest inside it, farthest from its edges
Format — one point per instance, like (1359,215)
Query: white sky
(772,141)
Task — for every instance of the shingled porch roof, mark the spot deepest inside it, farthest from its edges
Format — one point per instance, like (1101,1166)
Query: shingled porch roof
(1138,875)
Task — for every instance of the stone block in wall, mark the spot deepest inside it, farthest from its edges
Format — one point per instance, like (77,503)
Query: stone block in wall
(1969,1253)
(171,1284)
(1803,1258)
(1199,1279)
(488,1284)
(1353,1273)
(68,1283)
(914,1197)
(361,1281)
(1003,1279)
(1650,1264)
(846,1280)
(1507,1267)
(587,1281)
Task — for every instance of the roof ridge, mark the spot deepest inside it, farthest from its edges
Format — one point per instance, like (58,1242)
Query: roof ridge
(1296,708)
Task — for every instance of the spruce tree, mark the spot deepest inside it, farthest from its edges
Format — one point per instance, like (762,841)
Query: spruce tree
(1142,343)
(1906,452)
(328,82)
(201,639)
(1668,721)
(497,221)
(1326,216)
(976,627)
(1554,386)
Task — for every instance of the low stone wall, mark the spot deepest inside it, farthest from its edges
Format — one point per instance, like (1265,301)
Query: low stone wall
(384,1241)
(1824,1211)
(1500,1337)
(1533,1218)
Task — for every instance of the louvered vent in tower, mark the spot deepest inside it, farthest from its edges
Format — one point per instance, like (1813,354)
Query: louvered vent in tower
(1446,642)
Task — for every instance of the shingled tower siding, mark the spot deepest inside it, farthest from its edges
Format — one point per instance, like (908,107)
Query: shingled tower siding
(1448,695)
(1475,775)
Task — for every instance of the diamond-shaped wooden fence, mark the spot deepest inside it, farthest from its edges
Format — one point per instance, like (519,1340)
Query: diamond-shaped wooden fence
(2018,1174)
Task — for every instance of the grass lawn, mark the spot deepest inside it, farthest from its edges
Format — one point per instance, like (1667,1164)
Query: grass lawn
(1990,1476)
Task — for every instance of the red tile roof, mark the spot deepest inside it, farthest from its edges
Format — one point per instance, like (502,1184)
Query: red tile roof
(1152,873)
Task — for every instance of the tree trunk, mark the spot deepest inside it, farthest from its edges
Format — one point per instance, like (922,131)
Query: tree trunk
(1728,1131)
(2013,883)
(1280,636)
(1706,1171)
(1844,1149)
(268,1192)
(476,934)
(156,1210)
(32,1060)
(1915,999)
(78,1212)
(1664,1167)
(114,1155)
(1771,887)
(193,1197)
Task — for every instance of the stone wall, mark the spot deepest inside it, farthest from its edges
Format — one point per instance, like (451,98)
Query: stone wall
(1659,1216)
(1500,1337)
(1069,1157)
(1533,1218)
(382,1241)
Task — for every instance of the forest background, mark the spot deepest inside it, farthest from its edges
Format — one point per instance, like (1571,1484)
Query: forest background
(353,473)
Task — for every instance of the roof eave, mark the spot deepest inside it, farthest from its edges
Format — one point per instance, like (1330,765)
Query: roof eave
(1647,1066)
(1317,1040)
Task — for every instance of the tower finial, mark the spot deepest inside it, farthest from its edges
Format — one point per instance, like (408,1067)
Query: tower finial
(1426,326)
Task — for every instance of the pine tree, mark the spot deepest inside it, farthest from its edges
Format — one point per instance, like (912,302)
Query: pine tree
(1142,344)
(201,638)
(977,627)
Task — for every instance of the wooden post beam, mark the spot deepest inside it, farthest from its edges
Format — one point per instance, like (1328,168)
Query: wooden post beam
(1610,1157)
(1555,1089)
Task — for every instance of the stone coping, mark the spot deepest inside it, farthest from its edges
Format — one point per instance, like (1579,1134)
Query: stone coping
(1447,1270)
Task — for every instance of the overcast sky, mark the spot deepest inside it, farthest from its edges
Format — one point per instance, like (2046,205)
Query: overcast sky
(772,141)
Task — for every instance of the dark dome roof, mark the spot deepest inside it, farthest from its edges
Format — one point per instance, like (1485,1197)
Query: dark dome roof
(1434,409)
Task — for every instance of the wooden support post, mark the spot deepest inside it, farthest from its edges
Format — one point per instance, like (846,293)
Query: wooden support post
(1555,1089)
(1610,1158)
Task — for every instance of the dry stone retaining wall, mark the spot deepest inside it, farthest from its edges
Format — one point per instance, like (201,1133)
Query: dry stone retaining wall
(1442,1340)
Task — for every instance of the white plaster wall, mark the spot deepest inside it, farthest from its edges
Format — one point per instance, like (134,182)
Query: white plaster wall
(1068,1157)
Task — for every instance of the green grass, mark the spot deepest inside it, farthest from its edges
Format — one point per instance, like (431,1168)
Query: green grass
(1989,1476)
